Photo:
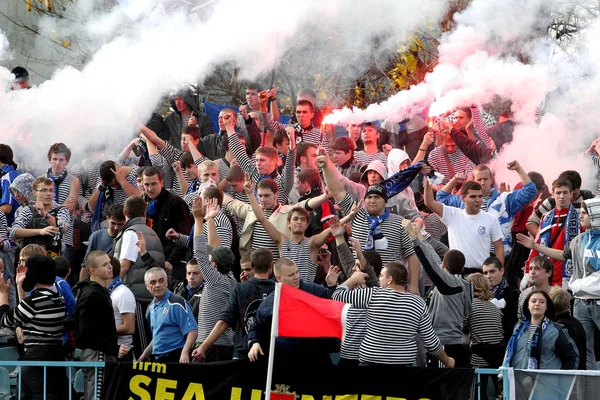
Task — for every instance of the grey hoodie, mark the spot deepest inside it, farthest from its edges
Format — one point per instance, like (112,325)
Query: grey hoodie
(23,184)
(452,297)
(584,252)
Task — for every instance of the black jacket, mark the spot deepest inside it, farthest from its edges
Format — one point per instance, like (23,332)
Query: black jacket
(171,211)
(577,333)
(240,311)
(173,121)
(509,314)
(94,319)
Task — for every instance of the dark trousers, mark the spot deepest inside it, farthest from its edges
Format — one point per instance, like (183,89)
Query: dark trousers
(456,351)
(346,363)
(57,384)
(219,353)
(143,334)
(170,357)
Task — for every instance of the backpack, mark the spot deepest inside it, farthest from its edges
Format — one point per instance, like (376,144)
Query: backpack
(52,244)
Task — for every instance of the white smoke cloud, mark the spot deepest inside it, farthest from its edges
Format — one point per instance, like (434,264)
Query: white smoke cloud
(145,49)
(476,63)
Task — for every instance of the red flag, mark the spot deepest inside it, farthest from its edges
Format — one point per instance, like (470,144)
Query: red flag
(303,315)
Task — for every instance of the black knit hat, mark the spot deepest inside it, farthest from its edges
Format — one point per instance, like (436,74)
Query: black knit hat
(40,269)
(20,74)
(377,189)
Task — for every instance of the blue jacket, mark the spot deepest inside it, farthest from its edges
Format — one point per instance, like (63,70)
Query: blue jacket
(558,350)
(503,205)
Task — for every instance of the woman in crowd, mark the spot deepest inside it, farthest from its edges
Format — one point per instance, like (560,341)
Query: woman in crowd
(537,342)
(485,330)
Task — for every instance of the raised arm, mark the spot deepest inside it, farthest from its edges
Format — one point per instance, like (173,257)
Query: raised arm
(212,209)
(480,126)
(121,177)
(430,202)
(424,147)
(333,184)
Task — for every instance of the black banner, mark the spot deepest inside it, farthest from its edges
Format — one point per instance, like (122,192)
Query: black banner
(242,380)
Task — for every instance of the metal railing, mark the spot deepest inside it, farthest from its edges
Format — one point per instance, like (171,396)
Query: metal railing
(480,373)
(485,372)
(54,364)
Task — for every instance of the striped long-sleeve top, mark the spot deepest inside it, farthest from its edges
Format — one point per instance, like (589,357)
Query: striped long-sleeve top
(41,315)
(215,294)
(393,320)
(485,327)
(313,136)
(459,161)
(4,232)
(285,181)
(398,247)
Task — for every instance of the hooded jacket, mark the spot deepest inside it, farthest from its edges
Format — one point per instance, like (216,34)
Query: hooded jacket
(399,205)
(23,184)
(95,327)
(584,252)
(173,121)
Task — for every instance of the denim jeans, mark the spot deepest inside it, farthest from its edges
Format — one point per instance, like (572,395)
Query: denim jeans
(588,313)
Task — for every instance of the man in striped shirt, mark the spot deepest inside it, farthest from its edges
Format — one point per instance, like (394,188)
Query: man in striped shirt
(219,282)
(266,162)
(374,226)
(41,316)
(448,160)
(370,136)
(58,218)
(66,194)
(304,130)
(394,318)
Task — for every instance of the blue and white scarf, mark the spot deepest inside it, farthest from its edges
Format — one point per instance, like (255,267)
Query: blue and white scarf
(535,346)
(376,240)
(570,230)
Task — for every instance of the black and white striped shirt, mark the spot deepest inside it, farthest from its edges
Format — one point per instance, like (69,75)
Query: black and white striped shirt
(215,294)
(399,246)
(63,191)
(285,181)
(460,163)
(354,333)
(4,232)
(171,155)
(224,229)
(88,172)
(393,320)
(41,315)
(485,326)
(366,159)
(298,253)
(262,240)
(314,136)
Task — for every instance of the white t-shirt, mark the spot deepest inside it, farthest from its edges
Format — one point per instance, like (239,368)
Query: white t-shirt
(123,302)
(129,250)
(473,235)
